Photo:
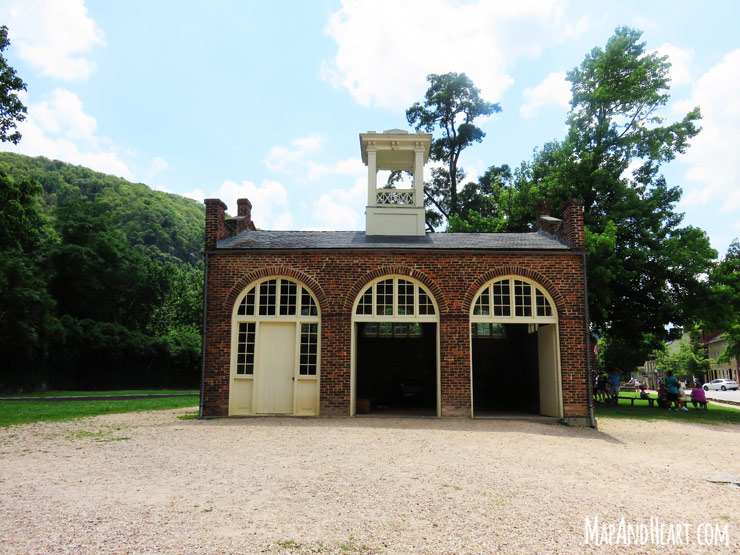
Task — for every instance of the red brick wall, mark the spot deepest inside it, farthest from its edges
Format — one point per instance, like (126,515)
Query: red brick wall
(337,277)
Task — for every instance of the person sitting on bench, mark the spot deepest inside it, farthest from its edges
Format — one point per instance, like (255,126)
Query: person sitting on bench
(662,397)
(698,397)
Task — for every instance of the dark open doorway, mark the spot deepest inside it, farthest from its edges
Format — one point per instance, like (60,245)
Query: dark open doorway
(505,369)
(396,368)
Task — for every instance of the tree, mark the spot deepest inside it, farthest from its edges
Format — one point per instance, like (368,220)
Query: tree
(723,310)
(12,110)
(26,320)
(644,269)
(690,359)
(451,103)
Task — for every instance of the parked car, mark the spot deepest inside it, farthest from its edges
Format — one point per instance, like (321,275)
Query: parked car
(724,385)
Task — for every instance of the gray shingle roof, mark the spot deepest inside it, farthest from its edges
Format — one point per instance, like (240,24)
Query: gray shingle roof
(302,240)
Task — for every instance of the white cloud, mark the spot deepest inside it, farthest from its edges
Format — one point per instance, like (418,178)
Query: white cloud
(291,160)
(158,164)
(387,48)
(195,194)
(715,173)
(553,91)
(575,30)
(53,36)
(342,208)
(59,128)
(297,160)
(269,201)
(681,60)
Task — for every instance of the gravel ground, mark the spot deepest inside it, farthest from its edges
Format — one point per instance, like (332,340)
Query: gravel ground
(152,483)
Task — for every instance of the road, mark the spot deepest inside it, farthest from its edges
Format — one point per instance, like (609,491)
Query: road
(732,396)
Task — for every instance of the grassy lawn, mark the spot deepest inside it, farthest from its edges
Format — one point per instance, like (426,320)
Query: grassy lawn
(642,411)
(24,412)
(60,393)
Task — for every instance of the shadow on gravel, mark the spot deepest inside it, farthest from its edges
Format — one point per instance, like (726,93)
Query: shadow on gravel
(460,425)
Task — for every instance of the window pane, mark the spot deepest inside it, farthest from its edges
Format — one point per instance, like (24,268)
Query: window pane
(288,297)
(245,348)
(425,303)
(365,306)
(501,299)
(309,349)
(384,292)
(246,308)
(385,329)
(543,305)
(405,297)
(268,294)
(522,298)
(308,306)
(483,303)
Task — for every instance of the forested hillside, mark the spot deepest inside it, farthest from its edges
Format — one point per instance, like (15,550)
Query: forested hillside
(172,223)
(100,280)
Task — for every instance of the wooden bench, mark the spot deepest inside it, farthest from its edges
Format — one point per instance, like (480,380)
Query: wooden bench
(632,400)
(651,401)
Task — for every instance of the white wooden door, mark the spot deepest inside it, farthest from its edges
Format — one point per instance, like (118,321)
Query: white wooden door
(548,363)
(275,368)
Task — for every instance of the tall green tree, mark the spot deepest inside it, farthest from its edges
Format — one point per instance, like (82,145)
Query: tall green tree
(723,310)
(12,110)
(451,104)
(644,268)
(26,318)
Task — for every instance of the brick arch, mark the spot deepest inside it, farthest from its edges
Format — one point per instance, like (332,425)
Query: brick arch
(501,271)
(276,271)
(361,284)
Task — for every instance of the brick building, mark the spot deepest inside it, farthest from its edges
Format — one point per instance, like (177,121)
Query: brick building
(394,320)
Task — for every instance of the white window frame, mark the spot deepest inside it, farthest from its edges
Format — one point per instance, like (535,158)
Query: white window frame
(257,319)
(512,318)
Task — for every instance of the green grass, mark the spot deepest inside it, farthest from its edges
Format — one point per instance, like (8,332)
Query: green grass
(60,393)
(24,412)
(642,411)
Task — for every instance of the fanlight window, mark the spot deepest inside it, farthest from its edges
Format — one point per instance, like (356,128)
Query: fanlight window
(278,297)
(512,298)
(395,298)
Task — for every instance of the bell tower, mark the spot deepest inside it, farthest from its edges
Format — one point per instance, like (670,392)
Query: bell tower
(395,211)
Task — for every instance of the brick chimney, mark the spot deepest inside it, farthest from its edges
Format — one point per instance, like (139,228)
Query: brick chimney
(572,230)
(244,216)
(215,223)
(544,222)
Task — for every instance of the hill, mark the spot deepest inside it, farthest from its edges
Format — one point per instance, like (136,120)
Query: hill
(173,224)
(101,280)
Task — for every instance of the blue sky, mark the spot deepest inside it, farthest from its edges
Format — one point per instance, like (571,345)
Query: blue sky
(265,100)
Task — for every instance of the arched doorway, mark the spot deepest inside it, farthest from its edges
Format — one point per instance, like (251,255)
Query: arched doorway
(275,349)
(515,356)
(395,349)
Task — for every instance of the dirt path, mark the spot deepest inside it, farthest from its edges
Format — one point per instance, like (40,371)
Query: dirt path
(151,483)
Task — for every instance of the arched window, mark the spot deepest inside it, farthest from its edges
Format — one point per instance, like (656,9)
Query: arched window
(512,299)
(395,298)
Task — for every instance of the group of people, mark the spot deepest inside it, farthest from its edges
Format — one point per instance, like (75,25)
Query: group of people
(671,392)
(606,386)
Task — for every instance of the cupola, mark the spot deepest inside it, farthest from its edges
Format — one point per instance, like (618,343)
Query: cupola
(392,211)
